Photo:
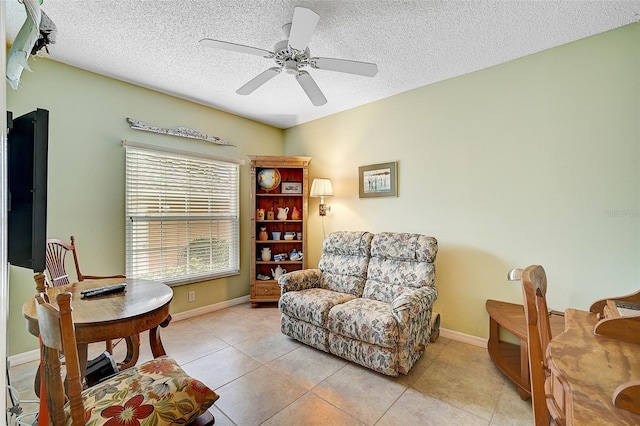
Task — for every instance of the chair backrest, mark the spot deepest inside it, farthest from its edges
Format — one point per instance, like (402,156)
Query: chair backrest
(57,332)
(534,289)
(399,261)
(344,261)
(57,251)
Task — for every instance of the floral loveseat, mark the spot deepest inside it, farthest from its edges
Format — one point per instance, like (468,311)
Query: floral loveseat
(369,301)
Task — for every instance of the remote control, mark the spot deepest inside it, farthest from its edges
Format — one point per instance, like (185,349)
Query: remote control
(628,305)
(101,291)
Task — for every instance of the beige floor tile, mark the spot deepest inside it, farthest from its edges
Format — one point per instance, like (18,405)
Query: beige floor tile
(22,378)
(186,341)
(459,378)
(464,355)
(267,347)
(364,394)
(233,326)
(221,367)
(307,366)
(255,397)
(413,408)
(265,312)
(220,418)
(428,357)
(511,409)
(311,410)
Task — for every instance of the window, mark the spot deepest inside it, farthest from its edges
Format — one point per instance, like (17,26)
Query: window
(182,215)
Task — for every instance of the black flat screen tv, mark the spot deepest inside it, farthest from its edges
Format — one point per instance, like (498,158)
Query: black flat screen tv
(28,142)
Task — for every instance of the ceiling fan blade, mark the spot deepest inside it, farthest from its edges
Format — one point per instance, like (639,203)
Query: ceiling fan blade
(311,88)
(258,81)
(302,27)
(217,44)
(342,65)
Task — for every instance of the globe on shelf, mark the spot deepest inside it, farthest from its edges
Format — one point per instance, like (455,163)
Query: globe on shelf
(268,179)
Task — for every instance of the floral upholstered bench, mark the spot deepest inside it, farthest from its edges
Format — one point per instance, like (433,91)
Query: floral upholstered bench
(369,301)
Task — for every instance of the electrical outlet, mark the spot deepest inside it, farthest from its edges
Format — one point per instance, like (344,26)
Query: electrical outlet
(192,296)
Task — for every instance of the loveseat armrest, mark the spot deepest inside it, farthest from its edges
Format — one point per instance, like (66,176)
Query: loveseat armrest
(300,280)
(413,302)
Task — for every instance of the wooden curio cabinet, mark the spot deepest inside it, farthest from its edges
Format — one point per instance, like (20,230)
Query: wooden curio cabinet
(279,204)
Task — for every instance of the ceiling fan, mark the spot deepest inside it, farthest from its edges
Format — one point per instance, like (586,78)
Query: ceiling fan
(292,54)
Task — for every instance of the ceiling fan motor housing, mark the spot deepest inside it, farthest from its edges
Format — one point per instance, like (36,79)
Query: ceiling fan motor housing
(288,58)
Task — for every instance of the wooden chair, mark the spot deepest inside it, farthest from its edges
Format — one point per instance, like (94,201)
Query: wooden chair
(56,253)
(534,290)
(159,390)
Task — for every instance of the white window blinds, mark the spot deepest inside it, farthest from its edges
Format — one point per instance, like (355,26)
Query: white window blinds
(182,215)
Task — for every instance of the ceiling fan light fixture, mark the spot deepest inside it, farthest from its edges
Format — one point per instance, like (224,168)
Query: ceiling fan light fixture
(291,66)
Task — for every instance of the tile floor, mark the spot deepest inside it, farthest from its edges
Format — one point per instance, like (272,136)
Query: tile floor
(266,378)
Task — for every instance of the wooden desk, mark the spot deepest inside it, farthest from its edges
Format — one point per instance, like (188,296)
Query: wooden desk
(513,359)
(143,306)
(585,370)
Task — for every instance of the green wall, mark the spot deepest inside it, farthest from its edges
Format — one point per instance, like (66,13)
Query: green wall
(532,161)
(86,171)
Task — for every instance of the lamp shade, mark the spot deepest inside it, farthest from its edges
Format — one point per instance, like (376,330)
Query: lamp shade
(321,188)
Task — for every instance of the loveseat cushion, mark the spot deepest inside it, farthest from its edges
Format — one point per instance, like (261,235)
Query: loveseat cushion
(307,333)
(365,320)
(399,261)
(311,305)
(344,261)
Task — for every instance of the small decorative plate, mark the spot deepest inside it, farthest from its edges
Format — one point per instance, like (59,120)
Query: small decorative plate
(268,179)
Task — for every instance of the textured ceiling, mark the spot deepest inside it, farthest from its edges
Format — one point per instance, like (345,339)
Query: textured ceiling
(154,44)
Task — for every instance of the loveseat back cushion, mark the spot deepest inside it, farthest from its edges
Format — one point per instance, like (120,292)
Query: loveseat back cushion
(399,261)
(344,261)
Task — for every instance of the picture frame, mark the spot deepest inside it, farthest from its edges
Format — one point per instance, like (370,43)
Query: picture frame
(378,180)
(291,188)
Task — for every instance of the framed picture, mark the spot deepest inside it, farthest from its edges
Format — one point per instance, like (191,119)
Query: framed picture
(378,180)
(291,188)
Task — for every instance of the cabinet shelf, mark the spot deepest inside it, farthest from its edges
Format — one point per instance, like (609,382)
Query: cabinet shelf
(279,221)
(278,195)
(277,241)
(290,169)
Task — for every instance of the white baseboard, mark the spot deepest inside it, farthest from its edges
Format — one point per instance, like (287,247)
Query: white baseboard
(24,357)
(464,338)
(209,308)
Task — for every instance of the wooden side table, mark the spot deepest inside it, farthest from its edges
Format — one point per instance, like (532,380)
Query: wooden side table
(513,359)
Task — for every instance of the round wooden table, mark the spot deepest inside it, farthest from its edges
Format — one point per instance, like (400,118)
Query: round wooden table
(144,305)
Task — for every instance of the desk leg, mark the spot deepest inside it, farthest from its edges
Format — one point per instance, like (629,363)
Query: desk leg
(133,352)
(154,339)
